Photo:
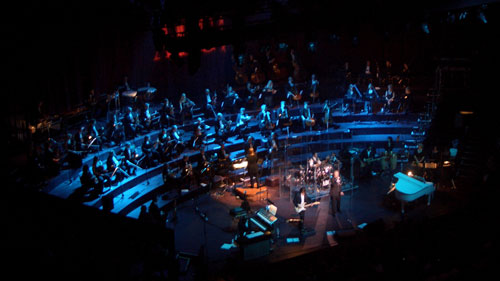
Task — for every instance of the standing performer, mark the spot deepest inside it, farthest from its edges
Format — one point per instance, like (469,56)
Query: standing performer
(314,88)
(336,192)
(301,202)
(389,97)
(253,167)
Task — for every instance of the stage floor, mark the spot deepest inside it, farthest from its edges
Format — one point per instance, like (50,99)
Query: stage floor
(369,203)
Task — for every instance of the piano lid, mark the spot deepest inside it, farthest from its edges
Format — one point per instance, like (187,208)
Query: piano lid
(410,185)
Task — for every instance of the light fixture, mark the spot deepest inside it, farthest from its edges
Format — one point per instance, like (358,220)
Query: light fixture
(425,28)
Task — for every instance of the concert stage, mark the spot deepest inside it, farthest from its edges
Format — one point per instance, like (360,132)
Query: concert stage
(201,215)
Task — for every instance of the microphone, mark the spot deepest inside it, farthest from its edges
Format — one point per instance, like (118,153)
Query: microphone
(202,215)
(271,202)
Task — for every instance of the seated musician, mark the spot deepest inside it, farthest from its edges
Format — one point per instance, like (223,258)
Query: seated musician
(232,100)
(367,159)
(178,143)
(93,135)
(351,96)
(292,93)
(147,117)
(52,157)
(186,107)
(163,145)
(418,160)
(224,161)
(334,161)
(198,138)
(129,160)
(167,117)
(171,177)
(129,123)
(88,180)
(203,163)
(244,226)
(370,95)
(264,120)
(314,88)
(210,103)
(100,172)
(252,91)
(388,154)
(69,155)
(80,142)
(222,127)
(389,97)
(242,120)
(306,116)
(272,144)
(283,117)
(114,167)
(187,173)
(268,93)
(114,131)
(150,153)
(314,162)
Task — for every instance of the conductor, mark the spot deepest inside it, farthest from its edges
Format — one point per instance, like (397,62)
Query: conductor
(253,167)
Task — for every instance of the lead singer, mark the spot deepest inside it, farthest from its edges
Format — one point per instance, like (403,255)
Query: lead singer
(336,192)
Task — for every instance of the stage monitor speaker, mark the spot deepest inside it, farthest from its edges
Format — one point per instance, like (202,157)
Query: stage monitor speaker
(256,249)
(345,233)
(107,203)
(273,181)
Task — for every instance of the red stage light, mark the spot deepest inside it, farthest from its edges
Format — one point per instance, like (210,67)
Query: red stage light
(165,29)
(180,30)
(157,56)
(206,51)
(167,54)
(200,24)
(183,54)
(220,23)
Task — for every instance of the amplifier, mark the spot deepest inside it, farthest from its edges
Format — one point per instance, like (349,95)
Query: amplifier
(273,181)
(237,212)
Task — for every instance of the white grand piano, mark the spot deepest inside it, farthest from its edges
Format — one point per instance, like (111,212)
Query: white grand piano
(409,189)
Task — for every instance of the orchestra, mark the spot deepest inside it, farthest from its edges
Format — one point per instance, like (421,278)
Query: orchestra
(163,123)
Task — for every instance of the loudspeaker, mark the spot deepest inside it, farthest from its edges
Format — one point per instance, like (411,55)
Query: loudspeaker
(345,233)
(256,250)
(273,181)
(375,228)
(107,203)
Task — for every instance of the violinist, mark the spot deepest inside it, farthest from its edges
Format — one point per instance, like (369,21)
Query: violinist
(268,93)
(306,116)
(114,168)
(222,127)
(149,151)
(186,107)
(242,122)
(264,119)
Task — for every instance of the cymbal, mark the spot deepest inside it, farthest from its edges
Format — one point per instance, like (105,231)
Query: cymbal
(130,93)
(147,89)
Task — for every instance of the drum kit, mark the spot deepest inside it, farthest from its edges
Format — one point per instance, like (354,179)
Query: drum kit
(145,93)
(319,176)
